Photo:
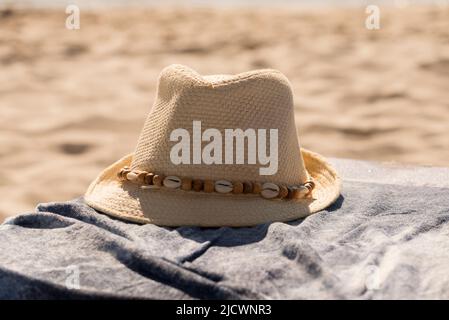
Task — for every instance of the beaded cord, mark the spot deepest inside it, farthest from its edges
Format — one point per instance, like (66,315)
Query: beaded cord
(267,190)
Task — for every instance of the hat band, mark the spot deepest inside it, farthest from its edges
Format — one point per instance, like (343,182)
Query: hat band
(267,190)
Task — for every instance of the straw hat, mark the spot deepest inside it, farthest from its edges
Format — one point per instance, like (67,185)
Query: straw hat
(148,187)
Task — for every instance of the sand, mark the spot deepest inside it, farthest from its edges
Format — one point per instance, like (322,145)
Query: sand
(72,102)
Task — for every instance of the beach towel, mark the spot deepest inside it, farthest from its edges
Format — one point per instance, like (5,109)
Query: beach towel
(386,237)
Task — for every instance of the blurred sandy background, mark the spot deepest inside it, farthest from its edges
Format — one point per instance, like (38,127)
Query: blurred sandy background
(72,102)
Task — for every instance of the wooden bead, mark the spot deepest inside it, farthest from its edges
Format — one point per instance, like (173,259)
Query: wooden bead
(209,186)
(197,185)
(141,176)
(247,187)
(120,174)
(123,172)
(283,192)
(158,180)
(257,187)
(297,192)
(291,193)
(303,191)
(186,184)
(149,178)
(238,187)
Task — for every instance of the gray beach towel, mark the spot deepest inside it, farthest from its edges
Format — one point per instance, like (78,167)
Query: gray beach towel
(386,237)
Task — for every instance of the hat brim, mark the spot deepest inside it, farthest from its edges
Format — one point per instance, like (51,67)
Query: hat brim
(167,207)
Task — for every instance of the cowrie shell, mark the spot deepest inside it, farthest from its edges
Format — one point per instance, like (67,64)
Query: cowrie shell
(172,182)
(158,180)
(269,190)
(223,186)
(131,176)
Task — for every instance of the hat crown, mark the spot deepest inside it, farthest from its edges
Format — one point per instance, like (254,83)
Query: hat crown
(260,99)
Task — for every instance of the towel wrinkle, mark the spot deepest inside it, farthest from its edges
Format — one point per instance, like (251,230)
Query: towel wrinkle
(81,212)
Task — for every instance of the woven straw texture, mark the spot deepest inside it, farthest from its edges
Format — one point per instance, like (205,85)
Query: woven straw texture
(259,99)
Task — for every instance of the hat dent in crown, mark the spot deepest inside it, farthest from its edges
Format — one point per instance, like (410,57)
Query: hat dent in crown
(260,99)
